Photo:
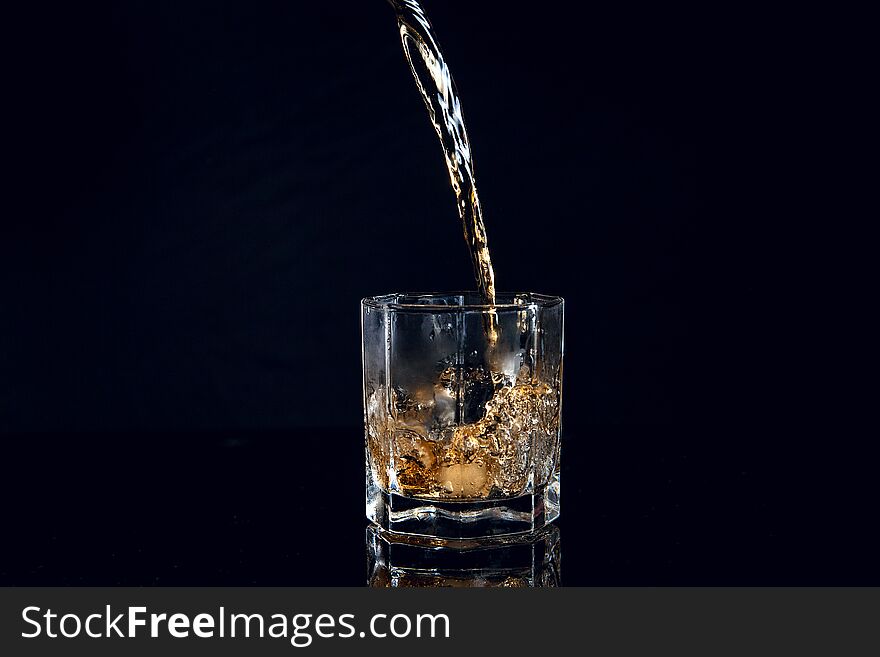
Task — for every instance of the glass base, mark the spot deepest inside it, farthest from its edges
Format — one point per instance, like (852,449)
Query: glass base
(457,520)
(515,561)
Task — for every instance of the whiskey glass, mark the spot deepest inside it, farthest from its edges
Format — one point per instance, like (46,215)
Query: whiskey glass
(462,406)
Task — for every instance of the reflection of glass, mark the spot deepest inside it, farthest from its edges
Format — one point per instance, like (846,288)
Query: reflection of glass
(519,561)
(462,406)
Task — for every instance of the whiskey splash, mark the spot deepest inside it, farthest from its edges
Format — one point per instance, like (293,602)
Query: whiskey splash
(487,459)
(438,90)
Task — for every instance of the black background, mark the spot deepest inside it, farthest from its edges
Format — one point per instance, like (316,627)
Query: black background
(202,193)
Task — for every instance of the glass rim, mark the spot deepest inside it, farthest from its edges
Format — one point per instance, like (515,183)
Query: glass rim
(389,301)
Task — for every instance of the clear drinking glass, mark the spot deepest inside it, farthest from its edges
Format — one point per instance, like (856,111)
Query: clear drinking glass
(462,409)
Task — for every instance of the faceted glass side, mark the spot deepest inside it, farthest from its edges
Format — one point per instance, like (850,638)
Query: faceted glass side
(376,416)
(549,350)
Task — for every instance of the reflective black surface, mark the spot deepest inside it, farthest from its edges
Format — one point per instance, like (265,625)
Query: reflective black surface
(639,506)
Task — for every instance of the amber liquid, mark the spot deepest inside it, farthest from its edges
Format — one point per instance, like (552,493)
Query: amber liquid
(492,458)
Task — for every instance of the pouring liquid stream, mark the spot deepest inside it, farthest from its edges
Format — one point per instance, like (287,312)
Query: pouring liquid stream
(434,81)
